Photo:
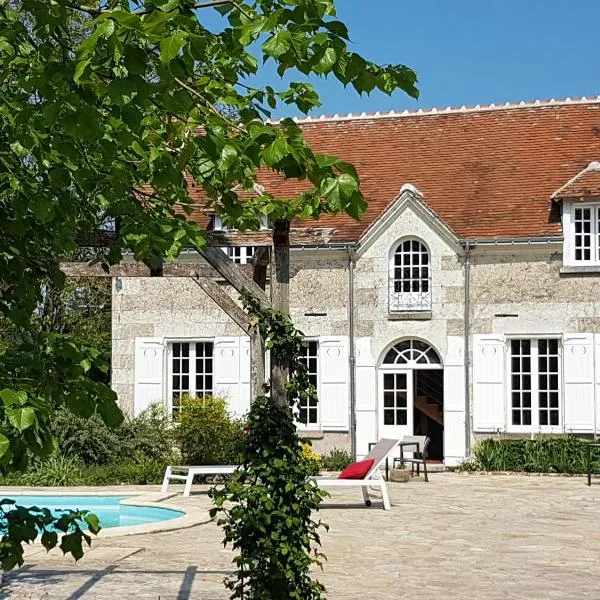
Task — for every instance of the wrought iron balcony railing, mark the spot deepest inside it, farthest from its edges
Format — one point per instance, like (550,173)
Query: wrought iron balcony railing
(409,301)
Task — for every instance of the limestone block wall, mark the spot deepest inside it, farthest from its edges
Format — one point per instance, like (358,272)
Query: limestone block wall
(521,290)
(372,285)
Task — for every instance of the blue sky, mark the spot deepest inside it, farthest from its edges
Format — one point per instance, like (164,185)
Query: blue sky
(471,51)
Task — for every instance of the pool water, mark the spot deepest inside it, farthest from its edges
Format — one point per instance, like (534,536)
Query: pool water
(108,509)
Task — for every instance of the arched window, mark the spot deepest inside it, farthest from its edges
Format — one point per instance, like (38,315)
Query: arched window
(410,277)
(412,351)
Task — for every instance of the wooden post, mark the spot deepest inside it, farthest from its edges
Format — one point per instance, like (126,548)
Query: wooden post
(260,263)
(280,300)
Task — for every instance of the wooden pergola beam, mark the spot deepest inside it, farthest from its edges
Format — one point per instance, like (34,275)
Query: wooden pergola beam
(224,301)
(299,237)
(217,259)
(139,269)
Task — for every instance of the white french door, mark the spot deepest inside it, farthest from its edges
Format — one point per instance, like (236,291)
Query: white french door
(395,403)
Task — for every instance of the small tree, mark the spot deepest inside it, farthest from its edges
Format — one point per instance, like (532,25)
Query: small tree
(268,506)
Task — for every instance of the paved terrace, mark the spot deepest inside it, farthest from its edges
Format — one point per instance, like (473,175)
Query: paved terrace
(457,537)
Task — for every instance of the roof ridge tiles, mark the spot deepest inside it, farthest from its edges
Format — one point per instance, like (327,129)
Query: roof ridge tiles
(424,112)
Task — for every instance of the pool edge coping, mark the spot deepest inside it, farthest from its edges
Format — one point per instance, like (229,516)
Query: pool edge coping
(191,517)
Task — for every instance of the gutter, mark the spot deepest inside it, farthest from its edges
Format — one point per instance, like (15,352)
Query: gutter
(352,353)
(467,351)
(518,241)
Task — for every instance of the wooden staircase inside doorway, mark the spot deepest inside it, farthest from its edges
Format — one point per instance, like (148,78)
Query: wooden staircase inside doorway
(431,408)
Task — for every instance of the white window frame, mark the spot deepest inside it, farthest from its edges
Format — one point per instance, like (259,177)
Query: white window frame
(411,301)
(192,368)
(535,426)
(316,425)
(240,255)
(569,259)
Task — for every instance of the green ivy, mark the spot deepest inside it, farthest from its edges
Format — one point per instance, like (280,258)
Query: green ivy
(267,508)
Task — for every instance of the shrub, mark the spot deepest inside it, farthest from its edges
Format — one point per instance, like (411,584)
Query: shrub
(58,470)
(134,472)
(565,454)
(312,459)
(87,440)
(337,460)
(206,434)
(148,436)
(91,441)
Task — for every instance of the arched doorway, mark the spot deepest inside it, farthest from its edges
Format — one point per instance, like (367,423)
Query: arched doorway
(411,393)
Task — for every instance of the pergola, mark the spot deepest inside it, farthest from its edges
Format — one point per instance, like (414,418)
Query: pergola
(272,252)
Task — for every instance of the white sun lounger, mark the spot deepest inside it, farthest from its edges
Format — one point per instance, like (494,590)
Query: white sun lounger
(373,479)
(187,474)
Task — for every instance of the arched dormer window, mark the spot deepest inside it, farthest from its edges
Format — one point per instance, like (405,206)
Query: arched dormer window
(410,277)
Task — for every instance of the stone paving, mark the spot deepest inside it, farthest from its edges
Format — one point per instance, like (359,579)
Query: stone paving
(456,537)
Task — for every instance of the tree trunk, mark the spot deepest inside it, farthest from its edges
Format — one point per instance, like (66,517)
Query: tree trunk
(280,300)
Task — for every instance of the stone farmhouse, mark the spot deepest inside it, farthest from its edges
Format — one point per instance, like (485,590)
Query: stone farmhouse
(463,304)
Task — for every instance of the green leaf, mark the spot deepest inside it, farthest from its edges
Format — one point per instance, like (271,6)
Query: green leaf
(21,418)
(49,539)
(326,61)
(4,444)
(123,91)
(171,45)
(278,44)
(348,184)
(111,413)
(80,69)
(93,523)
(229,156)
(273,153)
(10,397)
(43,209)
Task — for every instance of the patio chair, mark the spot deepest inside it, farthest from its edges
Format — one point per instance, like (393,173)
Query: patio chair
(373,478)
(419,444)
(187,474)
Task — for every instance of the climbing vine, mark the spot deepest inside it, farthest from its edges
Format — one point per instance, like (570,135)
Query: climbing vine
(267,508)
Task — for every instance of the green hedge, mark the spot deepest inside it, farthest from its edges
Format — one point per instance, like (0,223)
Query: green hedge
(566,454)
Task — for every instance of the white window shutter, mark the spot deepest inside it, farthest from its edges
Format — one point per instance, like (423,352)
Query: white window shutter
(226,367)
(149,373)
(454,400)
(568,234)
(244,398)
(578,369)
(333,383)
(489,395)
(597,374)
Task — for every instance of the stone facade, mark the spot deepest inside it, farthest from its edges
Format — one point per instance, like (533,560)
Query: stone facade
(515,290)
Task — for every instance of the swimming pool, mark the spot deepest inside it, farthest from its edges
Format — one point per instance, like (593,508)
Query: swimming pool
(108,509)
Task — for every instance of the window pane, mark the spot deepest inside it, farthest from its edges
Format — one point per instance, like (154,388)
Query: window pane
(308,411)
(548,383)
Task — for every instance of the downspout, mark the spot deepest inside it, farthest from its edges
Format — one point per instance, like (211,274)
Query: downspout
(351,354)
(467,332)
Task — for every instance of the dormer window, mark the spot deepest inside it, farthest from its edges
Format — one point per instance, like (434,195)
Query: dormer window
(410,277)
(580,198)
(581,227)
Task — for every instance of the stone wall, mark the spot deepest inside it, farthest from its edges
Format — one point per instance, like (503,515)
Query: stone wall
(521,290)
(372,286)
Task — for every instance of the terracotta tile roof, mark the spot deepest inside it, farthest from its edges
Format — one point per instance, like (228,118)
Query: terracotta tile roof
(585,184)
(487,171)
